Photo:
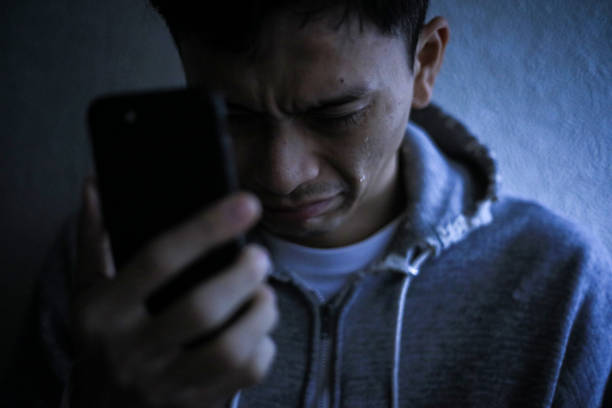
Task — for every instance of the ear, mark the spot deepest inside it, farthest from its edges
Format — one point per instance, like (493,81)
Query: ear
(429,55)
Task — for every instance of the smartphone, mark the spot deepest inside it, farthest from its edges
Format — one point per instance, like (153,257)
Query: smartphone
(160,157)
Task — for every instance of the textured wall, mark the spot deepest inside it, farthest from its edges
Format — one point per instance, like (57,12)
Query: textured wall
(532,78)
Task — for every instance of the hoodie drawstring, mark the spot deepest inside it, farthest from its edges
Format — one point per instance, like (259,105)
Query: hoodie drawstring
(410,269)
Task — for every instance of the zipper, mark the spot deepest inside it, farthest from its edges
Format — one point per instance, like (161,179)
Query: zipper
(329,313)
(325,364)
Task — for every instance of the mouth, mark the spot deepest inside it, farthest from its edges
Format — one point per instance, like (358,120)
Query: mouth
(303,211)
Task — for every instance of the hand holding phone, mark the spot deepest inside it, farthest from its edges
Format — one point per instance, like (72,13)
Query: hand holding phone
(159,157)
(128,355)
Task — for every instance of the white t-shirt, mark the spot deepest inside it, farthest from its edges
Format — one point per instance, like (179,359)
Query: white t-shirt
(326,270)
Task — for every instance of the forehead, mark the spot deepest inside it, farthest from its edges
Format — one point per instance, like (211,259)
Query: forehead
(295,60)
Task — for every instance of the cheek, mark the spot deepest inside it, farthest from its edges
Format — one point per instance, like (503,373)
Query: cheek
(358,162)
(384,134)
(351,157)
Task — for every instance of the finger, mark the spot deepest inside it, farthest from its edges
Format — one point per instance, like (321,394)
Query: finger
(228,355)
(209,305)
(168,254)
(94,258)
(261,361)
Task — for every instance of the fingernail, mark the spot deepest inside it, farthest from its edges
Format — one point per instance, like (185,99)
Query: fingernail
(263,260)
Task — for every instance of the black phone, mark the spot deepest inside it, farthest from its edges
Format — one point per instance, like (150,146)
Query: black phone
(160,157)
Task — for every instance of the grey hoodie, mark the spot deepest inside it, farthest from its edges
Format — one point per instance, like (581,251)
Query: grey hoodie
(479,301)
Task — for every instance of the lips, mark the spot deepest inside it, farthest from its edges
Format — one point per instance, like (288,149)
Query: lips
(300,212)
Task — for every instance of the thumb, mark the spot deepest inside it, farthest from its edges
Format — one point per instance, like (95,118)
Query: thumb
(94,257)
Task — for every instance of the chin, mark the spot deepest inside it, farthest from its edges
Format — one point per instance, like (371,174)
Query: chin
(308,231)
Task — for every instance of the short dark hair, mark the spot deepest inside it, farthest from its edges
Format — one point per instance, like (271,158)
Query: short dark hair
(235,25)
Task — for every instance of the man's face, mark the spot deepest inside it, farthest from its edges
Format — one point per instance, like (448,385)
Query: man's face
(317,119)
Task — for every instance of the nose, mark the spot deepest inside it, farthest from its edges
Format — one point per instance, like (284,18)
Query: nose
(288,160)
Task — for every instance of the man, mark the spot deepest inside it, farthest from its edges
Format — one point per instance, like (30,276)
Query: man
(399,276)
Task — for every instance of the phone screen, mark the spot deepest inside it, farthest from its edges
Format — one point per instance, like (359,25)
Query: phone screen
(161,157)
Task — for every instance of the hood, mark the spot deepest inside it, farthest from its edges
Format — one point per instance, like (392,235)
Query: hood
(450,180)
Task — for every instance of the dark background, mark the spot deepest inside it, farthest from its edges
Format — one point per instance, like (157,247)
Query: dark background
(533,79)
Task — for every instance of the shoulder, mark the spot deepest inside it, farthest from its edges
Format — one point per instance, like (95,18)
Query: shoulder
(542,255)
(52,309)
(575,270)
(530,229)
(563,275)
(519,216)
(54,279)
(42,361)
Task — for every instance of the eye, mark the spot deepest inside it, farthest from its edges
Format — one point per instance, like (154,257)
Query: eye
(349,119)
